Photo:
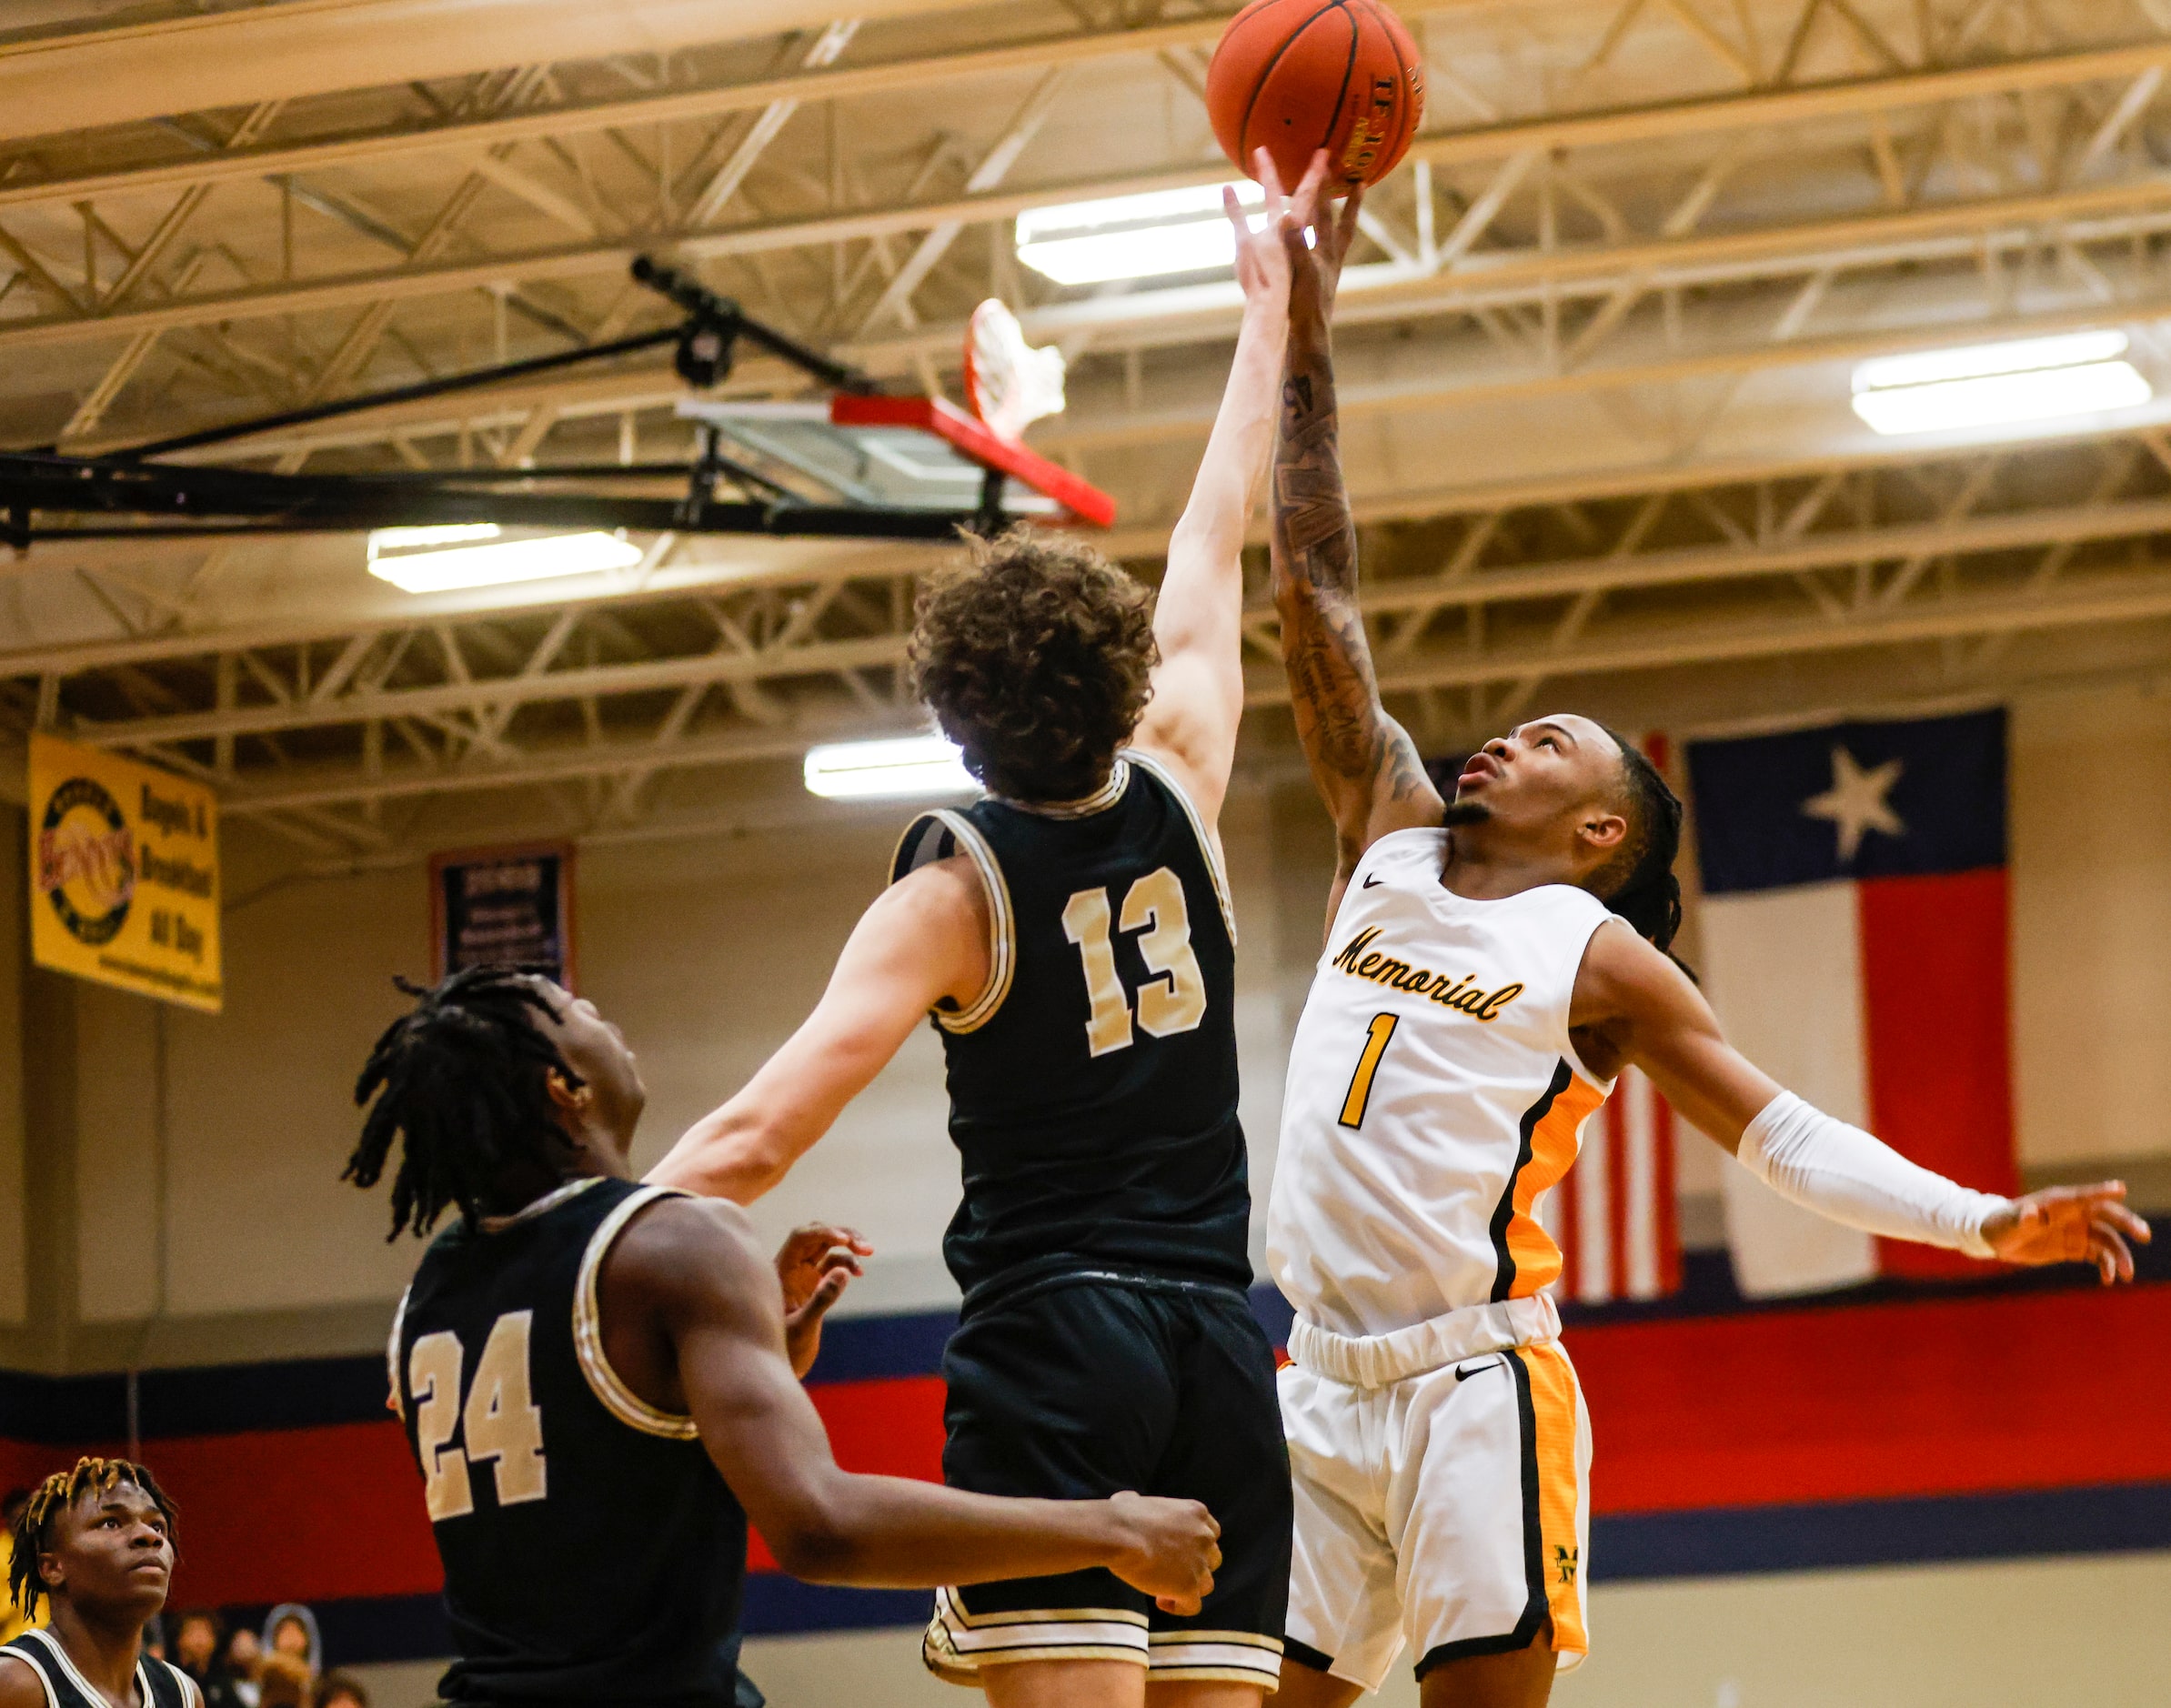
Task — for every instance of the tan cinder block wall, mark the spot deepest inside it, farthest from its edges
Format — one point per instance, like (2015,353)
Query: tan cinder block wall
(708,952)
(2092,924)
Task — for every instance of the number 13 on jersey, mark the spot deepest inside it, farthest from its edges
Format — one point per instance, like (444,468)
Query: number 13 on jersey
(1174,999)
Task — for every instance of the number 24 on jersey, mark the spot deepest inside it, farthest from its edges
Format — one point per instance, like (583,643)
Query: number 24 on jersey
(500,1425)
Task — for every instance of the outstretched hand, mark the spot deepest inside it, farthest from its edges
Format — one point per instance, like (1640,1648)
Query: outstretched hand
(1262,257)
(1316,266)
(816,1263)
(2071,1224)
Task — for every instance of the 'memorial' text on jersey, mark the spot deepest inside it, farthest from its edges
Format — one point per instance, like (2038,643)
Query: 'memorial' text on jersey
(592,1550)
(1433,1096)
(1092,1081)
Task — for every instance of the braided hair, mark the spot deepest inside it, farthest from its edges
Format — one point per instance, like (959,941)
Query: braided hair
(1645,892)
(33,1524)
(463,1078)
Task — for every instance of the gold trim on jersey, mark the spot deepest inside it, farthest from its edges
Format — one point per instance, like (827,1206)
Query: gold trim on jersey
(1002,926)
(1085,805)
(1207,844)
(541,1206)
(399,1316)
(38,1671)
(603,1382)
(91,1692)
(958,1642)
(1181,1656)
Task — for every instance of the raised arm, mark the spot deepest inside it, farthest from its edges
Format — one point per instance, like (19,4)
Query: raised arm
(1364,763)
(1197,621)
(692,1320)
(924,938)
(1633,1004)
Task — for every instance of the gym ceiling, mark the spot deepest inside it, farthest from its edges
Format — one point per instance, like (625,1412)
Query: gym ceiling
(1597,353)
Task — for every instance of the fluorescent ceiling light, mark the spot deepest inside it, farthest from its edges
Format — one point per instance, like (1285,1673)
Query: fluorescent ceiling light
(1152,235)
(899,766)
(1999,384)
(403,555)
(1974,361)
(445,534)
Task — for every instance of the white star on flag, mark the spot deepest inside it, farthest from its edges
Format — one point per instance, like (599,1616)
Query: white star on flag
(1856,802)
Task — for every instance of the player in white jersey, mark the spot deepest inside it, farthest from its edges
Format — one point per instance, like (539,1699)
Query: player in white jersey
(1491,965)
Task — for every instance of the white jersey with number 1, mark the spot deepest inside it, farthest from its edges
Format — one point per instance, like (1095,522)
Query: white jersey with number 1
(1438,1446)
(1433,1095)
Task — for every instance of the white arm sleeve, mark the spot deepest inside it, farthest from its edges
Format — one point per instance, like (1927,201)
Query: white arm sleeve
(1842,1172)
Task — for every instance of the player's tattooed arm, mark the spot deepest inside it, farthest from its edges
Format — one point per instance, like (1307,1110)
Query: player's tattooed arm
(1365,765)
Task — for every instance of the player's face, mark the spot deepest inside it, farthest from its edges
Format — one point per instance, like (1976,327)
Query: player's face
(1542,774)
(596,1050)
(114,1550)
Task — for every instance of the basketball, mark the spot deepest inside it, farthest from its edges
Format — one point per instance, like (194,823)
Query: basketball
(1297,76)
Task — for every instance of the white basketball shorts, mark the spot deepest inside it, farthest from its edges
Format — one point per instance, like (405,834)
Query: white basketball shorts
(1447,1508)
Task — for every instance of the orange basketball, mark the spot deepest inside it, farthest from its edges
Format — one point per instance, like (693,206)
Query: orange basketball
(1296,75)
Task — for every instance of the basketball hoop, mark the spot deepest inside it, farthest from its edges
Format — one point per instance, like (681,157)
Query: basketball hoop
(1008,384)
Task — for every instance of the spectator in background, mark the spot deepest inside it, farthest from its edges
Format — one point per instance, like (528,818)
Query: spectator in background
(197,1634)
(12,1621)
(341,1690)
(244,1655)
(290,1629)
(283,1681)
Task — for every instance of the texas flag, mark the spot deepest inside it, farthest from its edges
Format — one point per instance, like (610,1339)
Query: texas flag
(1854,946)
(1615,1215)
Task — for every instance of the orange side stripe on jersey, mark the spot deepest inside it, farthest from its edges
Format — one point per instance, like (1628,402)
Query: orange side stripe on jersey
(1553,1406)
(1552,1152)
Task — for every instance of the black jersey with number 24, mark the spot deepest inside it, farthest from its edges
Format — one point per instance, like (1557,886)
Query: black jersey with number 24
(1093,1083)
(592,1550)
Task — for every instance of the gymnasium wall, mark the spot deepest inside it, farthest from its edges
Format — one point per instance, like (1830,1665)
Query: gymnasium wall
(708,951)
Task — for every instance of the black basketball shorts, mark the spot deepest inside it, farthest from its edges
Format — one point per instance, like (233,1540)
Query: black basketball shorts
(1079,1387)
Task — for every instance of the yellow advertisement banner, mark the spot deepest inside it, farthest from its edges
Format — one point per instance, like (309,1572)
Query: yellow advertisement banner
(124,874)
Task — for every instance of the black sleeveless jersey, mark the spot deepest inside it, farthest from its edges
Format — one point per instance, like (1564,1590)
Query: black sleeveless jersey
(592,1550)
(159,1684)
(1092,1084)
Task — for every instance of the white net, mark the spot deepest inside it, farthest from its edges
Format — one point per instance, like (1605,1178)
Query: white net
(1008,384)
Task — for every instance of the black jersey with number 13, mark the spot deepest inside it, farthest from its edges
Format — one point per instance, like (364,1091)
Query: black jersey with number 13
(1092,1084)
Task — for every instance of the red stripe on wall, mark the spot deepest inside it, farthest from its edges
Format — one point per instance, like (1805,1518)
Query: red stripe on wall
(310,1514)
(1935,1026)
(2035,1391)
(1844,1403)
(891,1428)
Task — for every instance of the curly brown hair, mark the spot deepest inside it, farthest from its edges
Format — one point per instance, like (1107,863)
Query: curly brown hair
(1035,655)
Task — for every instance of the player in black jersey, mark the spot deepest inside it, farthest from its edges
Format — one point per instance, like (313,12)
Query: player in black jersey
(1071,935)
(594,1379)
(97,1542)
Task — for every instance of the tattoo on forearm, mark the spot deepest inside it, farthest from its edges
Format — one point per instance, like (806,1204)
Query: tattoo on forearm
(1346,731)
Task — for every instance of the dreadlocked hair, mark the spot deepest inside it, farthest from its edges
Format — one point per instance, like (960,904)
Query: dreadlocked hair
(1641,886)
(463,1080)
(33,1526)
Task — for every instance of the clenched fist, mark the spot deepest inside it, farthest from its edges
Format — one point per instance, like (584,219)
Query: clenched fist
(1172,1550)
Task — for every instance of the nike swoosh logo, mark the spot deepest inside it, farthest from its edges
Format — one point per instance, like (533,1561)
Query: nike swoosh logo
(1372,880)
(1477,1369)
